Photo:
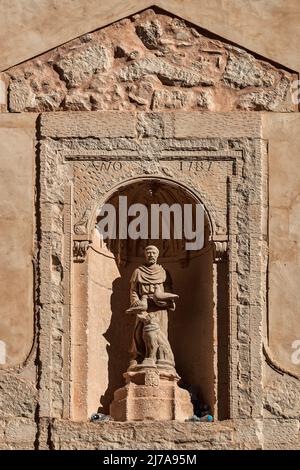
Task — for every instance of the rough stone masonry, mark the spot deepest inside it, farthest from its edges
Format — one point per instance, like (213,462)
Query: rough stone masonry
(147,76)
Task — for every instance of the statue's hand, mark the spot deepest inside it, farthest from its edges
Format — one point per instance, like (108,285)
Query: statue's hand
(135,303)
(172,306)
(144,317)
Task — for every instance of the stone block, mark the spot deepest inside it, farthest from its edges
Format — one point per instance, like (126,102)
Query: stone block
(80,124)
(151,395)
(218,125)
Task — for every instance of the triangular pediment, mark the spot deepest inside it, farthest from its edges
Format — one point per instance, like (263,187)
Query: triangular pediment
(149,61)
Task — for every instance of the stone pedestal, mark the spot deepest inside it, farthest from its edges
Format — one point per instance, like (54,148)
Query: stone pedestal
(151,394)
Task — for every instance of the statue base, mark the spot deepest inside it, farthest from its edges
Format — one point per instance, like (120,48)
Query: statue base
(151,394)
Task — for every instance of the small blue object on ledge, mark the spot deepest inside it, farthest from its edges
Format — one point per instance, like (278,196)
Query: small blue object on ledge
(196,419)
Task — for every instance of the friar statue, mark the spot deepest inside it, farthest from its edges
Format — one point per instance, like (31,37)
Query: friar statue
(151,298)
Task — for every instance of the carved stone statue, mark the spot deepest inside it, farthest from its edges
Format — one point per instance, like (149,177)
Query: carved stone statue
(151,298)
(151,391)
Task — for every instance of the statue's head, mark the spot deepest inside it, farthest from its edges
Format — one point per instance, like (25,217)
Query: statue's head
(151,254)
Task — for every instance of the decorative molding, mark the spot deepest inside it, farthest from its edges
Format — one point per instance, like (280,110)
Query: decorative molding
(164,155)
(196,154)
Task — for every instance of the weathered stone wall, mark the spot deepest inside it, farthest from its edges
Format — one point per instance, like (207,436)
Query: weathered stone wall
(151,61)
(18,406)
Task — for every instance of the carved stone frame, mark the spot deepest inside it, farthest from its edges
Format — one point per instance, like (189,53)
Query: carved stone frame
(73,149)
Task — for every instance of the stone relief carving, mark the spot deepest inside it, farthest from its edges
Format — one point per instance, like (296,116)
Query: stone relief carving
(150,61)
(80,227)
(152,378)
(274,364)
(220,250)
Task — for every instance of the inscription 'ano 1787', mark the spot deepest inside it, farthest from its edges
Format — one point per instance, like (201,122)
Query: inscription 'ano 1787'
(117,165)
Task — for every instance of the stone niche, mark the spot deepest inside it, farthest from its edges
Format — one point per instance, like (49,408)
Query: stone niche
(87,159)
(191,273)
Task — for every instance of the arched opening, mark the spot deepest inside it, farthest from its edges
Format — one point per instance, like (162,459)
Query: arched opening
(191,327)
